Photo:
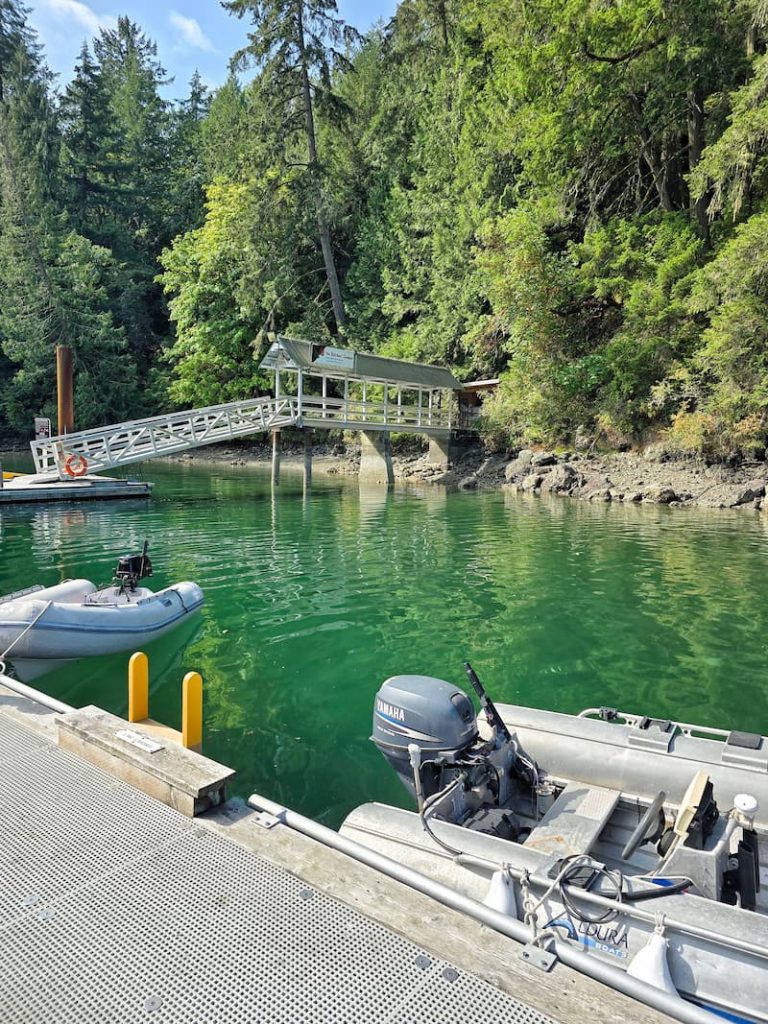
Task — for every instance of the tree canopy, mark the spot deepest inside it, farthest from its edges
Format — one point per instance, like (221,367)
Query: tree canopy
(570,195)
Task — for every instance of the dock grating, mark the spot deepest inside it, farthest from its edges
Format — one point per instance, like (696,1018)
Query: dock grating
(114,908)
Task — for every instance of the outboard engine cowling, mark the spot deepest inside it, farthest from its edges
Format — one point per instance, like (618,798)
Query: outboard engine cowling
(437,716)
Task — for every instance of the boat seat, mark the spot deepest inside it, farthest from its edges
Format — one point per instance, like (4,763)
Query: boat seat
(573,823)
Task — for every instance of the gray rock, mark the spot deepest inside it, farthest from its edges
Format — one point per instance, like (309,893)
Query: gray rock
(601,494)
(468,483)
(519,466)
(634,496)
(563,479)
(749,492)
(656,453)
(544,459)
(594,484)
(582,439)
(661,495)
(531,482)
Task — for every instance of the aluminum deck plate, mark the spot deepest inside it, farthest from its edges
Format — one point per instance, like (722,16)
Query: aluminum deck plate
(115,908)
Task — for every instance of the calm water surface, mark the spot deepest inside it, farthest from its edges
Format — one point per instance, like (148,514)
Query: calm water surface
(313,601)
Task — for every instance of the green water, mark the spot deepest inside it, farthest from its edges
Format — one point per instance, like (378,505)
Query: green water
(312,602)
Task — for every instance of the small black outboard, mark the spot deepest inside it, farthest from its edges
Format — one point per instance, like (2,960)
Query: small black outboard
(133,568)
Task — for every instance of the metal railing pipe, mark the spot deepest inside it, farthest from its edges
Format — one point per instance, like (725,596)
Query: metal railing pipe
(604,973)
(36,695)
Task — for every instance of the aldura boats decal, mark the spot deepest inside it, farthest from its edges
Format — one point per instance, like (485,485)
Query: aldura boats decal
(608,938)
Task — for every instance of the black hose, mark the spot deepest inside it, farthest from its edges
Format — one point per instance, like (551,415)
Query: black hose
(659,890)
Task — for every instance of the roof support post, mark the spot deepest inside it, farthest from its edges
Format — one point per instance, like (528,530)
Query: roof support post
(346,399)
(300,395)
(364,417)
(430,407)
(418,415)
(325,395)
(308,438)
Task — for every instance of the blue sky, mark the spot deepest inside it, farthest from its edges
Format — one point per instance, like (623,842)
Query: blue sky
(189,33)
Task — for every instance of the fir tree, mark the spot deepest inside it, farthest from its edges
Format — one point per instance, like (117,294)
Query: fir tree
(297,45)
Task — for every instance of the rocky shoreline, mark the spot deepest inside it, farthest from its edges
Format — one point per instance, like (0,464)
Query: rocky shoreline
(654,475)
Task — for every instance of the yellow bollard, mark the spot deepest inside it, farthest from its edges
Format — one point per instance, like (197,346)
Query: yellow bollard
(138,687)
(192,711)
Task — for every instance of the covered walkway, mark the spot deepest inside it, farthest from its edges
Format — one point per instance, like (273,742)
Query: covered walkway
(315,386)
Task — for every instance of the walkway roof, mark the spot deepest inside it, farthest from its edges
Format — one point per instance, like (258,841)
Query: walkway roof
(294,354)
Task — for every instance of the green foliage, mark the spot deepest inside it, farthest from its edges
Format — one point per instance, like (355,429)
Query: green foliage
(569,194)
(735,167)
(212,356)
(728,375)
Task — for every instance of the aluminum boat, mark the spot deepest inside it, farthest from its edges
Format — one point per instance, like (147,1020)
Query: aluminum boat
(640,841)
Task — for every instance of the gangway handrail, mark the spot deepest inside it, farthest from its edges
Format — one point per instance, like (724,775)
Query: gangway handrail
(121,444)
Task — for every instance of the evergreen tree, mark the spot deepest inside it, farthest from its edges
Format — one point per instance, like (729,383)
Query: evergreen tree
(89,138)
(296,45)
(54,282)
(188,160)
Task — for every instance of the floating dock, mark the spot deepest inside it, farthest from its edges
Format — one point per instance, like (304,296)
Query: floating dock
(46,487)
(117,907)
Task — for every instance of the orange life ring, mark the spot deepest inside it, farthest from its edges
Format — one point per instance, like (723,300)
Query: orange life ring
(76,465)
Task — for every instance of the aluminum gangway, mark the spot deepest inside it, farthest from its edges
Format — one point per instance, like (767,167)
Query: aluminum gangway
(121,444)
(103,448)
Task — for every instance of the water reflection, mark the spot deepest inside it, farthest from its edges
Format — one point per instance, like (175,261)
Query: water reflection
(314,597)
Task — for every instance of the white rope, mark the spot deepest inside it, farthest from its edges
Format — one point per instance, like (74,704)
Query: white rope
(23,633)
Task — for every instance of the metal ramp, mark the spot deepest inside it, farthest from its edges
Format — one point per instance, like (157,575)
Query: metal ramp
(121,444)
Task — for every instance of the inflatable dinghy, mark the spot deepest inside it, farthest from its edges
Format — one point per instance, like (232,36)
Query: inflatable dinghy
(42,628)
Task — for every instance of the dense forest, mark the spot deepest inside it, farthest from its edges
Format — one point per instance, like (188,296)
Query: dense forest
(571,194)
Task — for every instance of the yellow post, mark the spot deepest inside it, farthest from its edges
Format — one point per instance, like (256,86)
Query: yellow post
(138,687)
(192,711)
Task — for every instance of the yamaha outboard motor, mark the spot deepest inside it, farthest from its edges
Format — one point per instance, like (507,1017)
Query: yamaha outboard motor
(427,730)
(437,716)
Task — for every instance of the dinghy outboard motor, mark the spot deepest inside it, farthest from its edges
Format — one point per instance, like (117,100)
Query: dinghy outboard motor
(427,730)
(133,568)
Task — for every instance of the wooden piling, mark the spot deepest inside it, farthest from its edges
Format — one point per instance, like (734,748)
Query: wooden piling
(64,389)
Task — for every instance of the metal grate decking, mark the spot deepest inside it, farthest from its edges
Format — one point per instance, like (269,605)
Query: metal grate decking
(115,908)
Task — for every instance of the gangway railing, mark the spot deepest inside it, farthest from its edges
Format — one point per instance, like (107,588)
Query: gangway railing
(356,414)
(137,440)
(103,448)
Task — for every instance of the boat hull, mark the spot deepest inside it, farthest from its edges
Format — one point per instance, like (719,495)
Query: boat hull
(734,984)
(59,629)
(595,830)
